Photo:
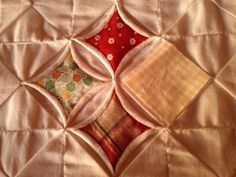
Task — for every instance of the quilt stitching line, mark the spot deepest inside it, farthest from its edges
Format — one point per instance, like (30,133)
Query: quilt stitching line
(225,89)
(56,120)
(196,36)
(176,22)
(212,1)
(222,9)
(159,21)
(32,42)
(167,155)
(189,151)
(208,84)
(10,71)
(203,128)
(223,67)
(59,31)
(103,166)
(156,135)
(35,155)
(73,17)
(63,153)
(83,34)
(15,20)
(13,92)
(35,130)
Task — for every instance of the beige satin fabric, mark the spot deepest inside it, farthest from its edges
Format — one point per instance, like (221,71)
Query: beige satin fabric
(37,139)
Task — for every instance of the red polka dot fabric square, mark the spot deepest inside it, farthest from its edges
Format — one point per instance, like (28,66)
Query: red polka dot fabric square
(115,40)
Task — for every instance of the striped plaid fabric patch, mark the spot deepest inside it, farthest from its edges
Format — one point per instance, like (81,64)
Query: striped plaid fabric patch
(167,82)
(114,130)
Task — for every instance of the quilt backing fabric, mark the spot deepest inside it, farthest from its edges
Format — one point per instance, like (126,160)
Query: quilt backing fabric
(108,88)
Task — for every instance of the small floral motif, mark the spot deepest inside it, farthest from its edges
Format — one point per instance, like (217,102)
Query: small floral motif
(97,37)
(132,41)
(117,38)
(119,25)
(111,40)
(110,57)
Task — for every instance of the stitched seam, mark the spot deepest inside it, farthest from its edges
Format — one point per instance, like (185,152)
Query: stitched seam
(6,100)
(199,159)
(177,37)
(72,18)
(159,16)
(63,154)
(225,89)
(75,133)
(28,130)
(9,70)
(147,145)
(196,97)
(42,106)
(202,128)
(14,21)
(30,42)
(55,28)
(176,22)
(222,9)
(167,155)
(35,155)
(223,68)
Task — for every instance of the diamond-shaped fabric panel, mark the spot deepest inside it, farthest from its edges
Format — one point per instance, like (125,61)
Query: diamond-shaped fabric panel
(68,83)
(169,82)
(114,130)
(115,40)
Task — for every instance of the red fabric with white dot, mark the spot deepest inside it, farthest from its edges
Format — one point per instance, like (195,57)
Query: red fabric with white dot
(115,40)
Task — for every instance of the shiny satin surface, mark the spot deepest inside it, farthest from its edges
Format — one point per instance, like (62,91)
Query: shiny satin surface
(38,139)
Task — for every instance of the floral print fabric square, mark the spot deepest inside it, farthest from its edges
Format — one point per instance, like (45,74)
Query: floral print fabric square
(115,40)
(68,83)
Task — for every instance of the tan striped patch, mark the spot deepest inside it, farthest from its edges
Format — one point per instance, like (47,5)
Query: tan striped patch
(165,82)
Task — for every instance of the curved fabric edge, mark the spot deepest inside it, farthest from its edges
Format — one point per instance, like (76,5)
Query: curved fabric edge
(54,62)
(136,56)
(222,5)
(96,147)
(135,148)
(91,60)
(98,25)
(133,23)
(132,106)
(51,98)
(91,106)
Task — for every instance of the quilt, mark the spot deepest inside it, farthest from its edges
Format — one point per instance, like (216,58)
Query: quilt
(117,88)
